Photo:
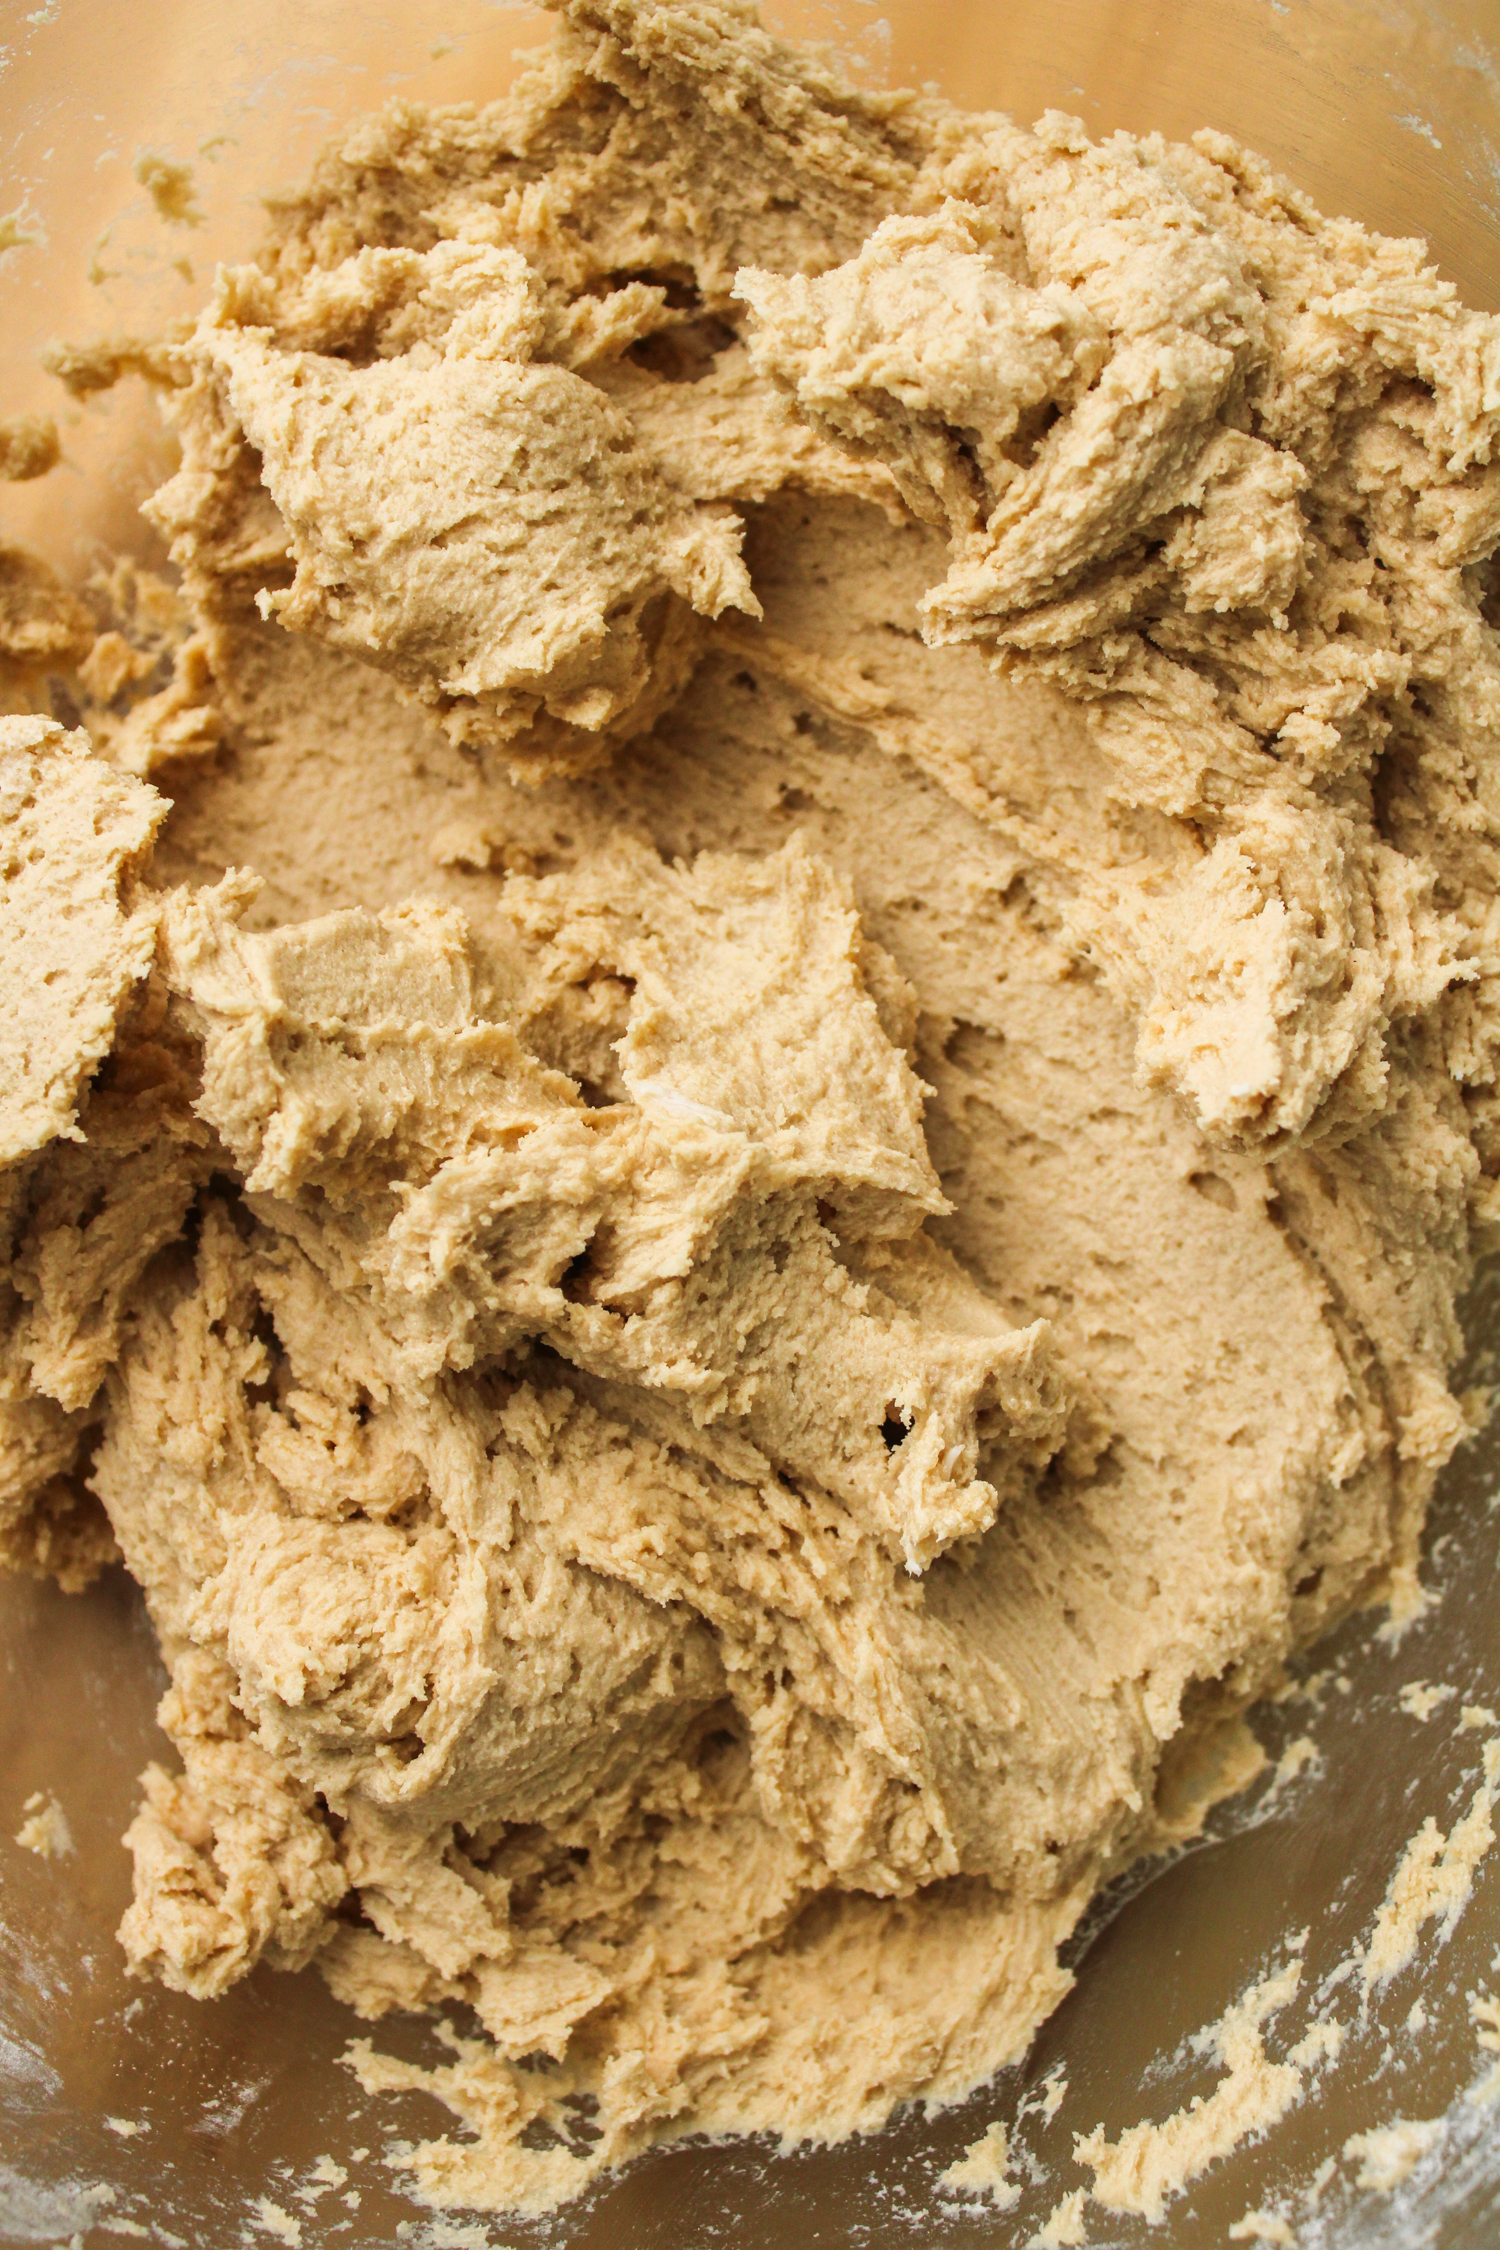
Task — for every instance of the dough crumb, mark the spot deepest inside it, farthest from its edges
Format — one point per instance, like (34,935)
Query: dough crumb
(45,1829)
(1484,2013)
(1419,1700)
(1432,1883)
(1321,2178)
(1390,2153)
(982,2169)
(1151,2163)
(1065,2227)
(18,231)
(112,664)
(271,2218)
(1263,2226)
(1319,2044)
(1300,1757)
(171,188)
(28,447)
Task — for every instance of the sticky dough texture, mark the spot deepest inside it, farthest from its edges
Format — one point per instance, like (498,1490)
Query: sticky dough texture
(798,1206)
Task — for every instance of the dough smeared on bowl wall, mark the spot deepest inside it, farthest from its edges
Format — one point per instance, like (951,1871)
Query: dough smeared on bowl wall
(754,1182)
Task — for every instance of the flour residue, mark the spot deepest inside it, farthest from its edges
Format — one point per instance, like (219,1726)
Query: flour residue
(1301,1756)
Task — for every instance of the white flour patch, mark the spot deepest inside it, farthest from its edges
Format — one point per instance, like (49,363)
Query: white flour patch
(223,2116)
(25,2071)
(31,2212)
(1419,125)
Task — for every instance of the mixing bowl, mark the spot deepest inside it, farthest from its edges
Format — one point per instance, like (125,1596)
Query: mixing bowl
(126,2111)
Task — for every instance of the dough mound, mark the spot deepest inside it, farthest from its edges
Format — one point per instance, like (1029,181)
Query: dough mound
(749,1063)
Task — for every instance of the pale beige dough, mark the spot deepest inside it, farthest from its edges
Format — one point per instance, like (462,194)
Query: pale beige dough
(767,1061)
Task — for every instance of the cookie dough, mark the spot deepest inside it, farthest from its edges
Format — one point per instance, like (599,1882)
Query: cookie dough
(749,1058)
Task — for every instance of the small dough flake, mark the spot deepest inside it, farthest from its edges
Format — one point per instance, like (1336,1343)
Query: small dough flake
(1391,2153)
(1432,1883)
(981,2170)
(45,1830)
(1150,2163)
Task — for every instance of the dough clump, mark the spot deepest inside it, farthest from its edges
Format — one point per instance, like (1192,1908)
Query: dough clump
(750,1059)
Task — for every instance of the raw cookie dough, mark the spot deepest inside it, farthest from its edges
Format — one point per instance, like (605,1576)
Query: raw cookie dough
(749,1066)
